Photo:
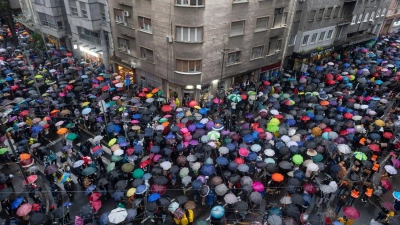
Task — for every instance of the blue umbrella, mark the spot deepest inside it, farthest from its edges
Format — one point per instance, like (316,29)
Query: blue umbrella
(199,125)
(196,184)
(307,198)
(319,68)
(66,204)
(147,176)
(375,136)
(17,202)
(346,65)
(290,122)
(121,140)
(118,195)
(207,170)
(275,211)
(90,189)
(141,189)
(110,128)
(138,149)
(217,211)
(155,149)
(136,116)
(203,111)
(117,129)
(222,161)
(103,220)
(37,129)
(248,138)
(6,89)
(86,111)
(299,175)
(252,156)
(153,197)
(231,146)
(170,136)
(98,152)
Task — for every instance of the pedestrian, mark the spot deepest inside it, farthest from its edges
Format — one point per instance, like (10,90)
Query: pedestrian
(100,162)
(190,216)
(210,199)
(9,182)
(340,203)
(382,214)
(6,205)
(355,194)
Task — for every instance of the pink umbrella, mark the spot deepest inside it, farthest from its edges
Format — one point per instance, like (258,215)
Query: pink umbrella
(243,152)
(167,116)
(78,220)
(218,101)
(187,138)
(61,94)
(186,143)
(24,209)
(184,130)
(156,158)
(396,163)
(134,121)
(258,186)
(115,97)
(212,144)
(269,136)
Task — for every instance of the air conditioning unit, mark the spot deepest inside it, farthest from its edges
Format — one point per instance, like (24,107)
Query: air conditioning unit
(126,13)
(169,39)
(372,22)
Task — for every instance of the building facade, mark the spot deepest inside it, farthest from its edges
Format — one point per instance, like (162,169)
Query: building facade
(328,29)
(188,47)
(392,21)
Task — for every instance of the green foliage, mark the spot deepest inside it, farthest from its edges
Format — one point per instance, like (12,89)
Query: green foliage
(36,42)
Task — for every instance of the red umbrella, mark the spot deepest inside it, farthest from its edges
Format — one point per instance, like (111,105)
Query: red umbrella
(94,196)
(144,164)
(388,135)
(145,89)
(305,118)
(105,88)
(27,162)
(259,130)
(343,132)
(330,82)
(142,94)
(166,108)
(31,179)
(14,87)
(24,209)
(130,151)
(278,116)
(374,147)
(244,97)
(328,129)
(193,103)
(96,205)
(156,188)
(348,116)
(386,184)
(239,161)
(243,152)
(351,212)
(309,188)
(24,113)
(218,101)
(262,135)
(69,54)
(96,148)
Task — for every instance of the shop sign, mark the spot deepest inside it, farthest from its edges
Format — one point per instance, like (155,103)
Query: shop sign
(322,52)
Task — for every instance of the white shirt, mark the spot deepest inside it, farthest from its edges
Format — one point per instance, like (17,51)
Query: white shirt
(233,105)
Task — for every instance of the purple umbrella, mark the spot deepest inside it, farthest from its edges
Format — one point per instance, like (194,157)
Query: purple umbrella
(193,142)
(209,125)
(99,119)
(340,140)
(333,103)
(12,118)
(249,115)
(245,126)
(225,132)
(201,131)
(351,130)
(192,127)
(124,144)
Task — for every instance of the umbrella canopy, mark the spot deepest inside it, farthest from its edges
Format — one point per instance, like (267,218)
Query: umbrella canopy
(117,215)
(351,212)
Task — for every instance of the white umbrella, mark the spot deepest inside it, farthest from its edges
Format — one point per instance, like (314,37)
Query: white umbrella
(117,215)
(118,152)
(150,100)
(255,148)
(333,185)
(295,137)
(390,169)
(291,143)
(285,138)
(286,200)
(166,165)
(274,112)
(357,117)
(230,198)
(312,167)
(59,123)
(160,127)
(269,152)
(223,150)
(343,148)
(196,166)
(78,163)
(186,180)
(204,121)
(172,207)
(327,189)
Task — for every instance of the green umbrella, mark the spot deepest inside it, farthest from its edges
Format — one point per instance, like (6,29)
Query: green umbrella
(88,171)
(102,74)
(116,158)
(111,167)
(162,120)
(235,98)
(71,136)
(318,158)
(184,172)
(70,125)
(112,103)
(160,92)
(360,156)
(127,167)
(251,93)
(9,129)
(272,128)
(112,142)
(138,173)
(285,95)
(297,159)
(3,150)
(107,75)
(213,135)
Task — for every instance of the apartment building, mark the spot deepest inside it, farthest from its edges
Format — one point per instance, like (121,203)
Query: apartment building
(392,20)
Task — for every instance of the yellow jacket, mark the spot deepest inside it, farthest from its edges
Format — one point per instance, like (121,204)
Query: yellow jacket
(184,220)
(177,102)
(177,221)
(191,215)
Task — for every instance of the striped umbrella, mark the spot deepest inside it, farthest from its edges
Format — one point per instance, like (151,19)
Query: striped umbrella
(235,98)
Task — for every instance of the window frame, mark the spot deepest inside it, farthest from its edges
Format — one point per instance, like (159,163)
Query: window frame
(181,39)
(312,37)
(83,11)
(188,61)
(320,14)
(360,18)
(146,58)
(82,33)
(261,52)
(122,16)
(366,17)
(312,12)
(330,34)
(235,62)
(243,28)
(267,25)
(372,16)
(354,19)
(294,40)
(73,9)
(383,13)
(336,11)
(188,5)
(329,13)
(378,13)
(103,14)
(142,19)
(128,45)
(239,1)
(305,37)
(322,34)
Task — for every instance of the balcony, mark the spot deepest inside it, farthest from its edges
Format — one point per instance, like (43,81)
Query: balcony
(344,20)
(52,11)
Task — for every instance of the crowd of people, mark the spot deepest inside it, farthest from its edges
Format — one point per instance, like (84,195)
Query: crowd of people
(326,136)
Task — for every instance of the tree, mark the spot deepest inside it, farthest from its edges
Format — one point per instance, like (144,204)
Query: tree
(36,42)
(5,8)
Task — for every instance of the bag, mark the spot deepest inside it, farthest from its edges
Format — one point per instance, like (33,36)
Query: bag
(179,213)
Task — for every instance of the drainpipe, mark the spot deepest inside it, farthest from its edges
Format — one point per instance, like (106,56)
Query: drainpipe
(292,14)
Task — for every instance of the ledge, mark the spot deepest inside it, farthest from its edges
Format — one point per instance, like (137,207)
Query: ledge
(190,6)
(189,74)
(241,2)
(233,64)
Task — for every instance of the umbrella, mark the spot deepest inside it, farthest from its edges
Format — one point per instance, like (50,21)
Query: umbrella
(230,198)
(117,215)
(286,200)
(37,218)
(4,193)
(24,209)
(173,207)
(217,211)
(351,212)
(190,205)
(390,169)
(274,220)
(255,197)
(221,189)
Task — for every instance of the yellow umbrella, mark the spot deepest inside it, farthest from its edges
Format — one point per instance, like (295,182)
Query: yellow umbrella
(316,131)
(31,82)
(149,95)
(131,192)
(85,104)
(380,123)
(274,121)
(38,76)
(197,107)
(45,94)
(112,141)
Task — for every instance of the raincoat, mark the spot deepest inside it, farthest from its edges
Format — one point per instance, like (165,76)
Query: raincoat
(190,215)
(184,220)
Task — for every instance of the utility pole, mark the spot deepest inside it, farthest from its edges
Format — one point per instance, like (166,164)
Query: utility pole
(6,7)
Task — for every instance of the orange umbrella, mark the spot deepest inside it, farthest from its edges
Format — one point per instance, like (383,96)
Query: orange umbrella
(24,156)
(165,124)
(155,90)
(55,111)
(62,131)
(100,78)
(324,103)
(277,177)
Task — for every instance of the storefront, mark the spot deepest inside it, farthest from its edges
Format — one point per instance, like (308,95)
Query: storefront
(270,70)
(52,40)
(299,61)
(123,71)
(91,56)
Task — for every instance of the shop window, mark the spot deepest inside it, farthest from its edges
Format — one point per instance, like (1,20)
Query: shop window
(257,52)
(189,34)
(145,24)
(305,40)
(237,28)
(233,58)
(188,66)
(262,24)
(146,54)
(292,39)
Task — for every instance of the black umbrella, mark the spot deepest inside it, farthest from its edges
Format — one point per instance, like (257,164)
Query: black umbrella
(102,182)
(86,211)
(232,166)
(234,178)
(137,182)
(37,218)
(285,165)
(163,201)
(271,168)
(151,206)
(182,199)
(157,171)
(291,211)
(5,193)
(3,178)
(161,180)
(241,206)
(121,185)
(294,182)
(174,169)
(204,190)
(297,199)
(60,212)
(114,175)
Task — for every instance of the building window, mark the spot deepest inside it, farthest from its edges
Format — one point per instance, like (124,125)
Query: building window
(144,24)
(262,24)
(88,35)
(311,15)
(37,2)
(257,52)
(314,38)
(48,21)
(237,28)
(336,12)
(297,16)
(329,13)
(189,34)
(359,18)
(372,16)
(190,2)
(119,15)
(383,12)
(73,8)
(278,45)
(396,4)
(233,58)
(188,66)
(305,40)
(123,45)
(322,36)
(278,17)
(330,32)
(378,13)
(146,54)
(103,13)
(320,14)
(60,25)
(284,18)
(292,40)
(83,10)
(353,19)
(366,17)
